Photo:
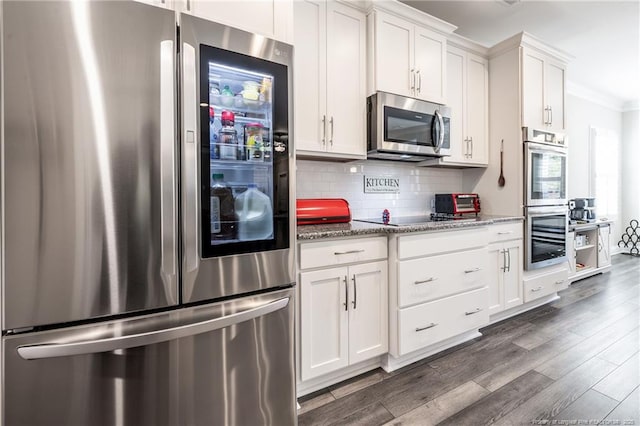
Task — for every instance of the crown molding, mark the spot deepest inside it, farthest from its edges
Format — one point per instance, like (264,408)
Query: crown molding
(409,13)
(527,40)
(591,95)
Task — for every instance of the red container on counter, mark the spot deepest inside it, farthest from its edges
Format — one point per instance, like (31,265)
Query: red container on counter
(314,211)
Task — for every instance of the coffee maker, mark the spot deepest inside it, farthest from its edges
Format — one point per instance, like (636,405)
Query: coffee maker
(582,210)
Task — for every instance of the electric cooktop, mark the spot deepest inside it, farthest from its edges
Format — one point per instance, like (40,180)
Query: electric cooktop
(418,220)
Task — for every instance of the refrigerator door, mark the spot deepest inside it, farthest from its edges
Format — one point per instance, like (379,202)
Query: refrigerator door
(88,160)
(237,161)
(218,364)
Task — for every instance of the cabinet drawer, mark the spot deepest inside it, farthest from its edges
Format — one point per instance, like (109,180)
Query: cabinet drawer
(331,253)
(441,242)
(505,231)
(424,279)
(545,284)
(429,323)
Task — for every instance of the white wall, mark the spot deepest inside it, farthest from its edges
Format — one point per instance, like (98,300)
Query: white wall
(630,166)
(319,179)
(581,115)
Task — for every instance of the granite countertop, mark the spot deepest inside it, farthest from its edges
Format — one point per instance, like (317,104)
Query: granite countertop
(355,228)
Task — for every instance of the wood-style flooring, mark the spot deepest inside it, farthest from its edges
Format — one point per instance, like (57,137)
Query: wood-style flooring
(574,361)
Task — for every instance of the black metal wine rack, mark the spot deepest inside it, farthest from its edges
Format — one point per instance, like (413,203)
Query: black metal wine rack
(631,238)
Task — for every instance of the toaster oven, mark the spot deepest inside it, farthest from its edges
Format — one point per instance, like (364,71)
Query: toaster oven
(457,203)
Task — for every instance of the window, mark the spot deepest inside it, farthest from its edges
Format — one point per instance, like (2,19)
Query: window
(605,171)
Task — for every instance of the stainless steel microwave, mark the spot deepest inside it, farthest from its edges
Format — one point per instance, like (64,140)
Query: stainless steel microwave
(406,129)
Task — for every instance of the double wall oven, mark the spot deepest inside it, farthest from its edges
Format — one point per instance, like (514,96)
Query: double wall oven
(545,157)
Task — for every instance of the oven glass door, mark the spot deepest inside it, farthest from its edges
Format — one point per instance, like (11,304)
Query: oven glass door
(546,175)
(547,241)
(414,128)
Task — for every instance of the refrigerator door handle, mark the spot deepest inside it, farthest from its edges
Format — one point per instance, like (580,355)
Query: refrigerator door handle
(52,350)
(168,169)
(190,144)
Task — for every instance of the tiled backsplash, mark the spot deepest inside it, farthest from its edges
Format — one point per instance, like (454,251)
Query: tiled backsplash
(319,179)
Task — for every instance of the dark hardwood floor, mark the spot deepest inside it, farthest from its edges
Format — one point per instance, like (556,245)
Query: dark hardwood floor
(574,361)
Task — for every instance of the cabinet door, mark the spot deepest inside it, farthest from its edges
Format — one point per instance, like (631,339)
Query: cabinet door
(497,260)
(477,109)
(309,75)
(512,275)
(346,79)
(455,101)
(604,246)
(270,18)
(533,103)
(394,55)
(571,252)
(430,58)
(324,323)
(368,311)
(554,77)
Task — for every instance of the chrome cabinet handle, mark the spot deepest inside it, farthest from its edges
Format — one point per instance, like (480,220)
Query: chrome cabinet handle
(331,137)
(324,130)
(469,271)
(504,261)
(433,324)
(475,311)
(338,253)
(419,81)
(428,280)
(533,290)
(412,80)
(550,115)
(346,294)
(53,349)
(355,292)
(559,282)
(546,115)
(471,144)
(509,258)
(505,232)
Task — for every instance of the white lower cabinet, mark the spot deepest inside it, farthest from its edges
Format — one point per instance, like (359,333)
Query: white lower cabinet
(505,275)
(423,325)
(604,246)
(343,317)
(438,287)
(545,283)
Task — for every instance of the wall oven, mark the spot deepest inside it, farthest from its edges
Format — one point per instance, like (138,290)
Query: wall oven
(545,236)
(545,168)
(406,129)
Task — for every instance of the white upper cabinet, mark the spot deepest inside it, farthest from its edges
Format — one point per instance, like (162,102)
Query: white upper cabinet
(329,80)
(408,59)
(543,91)
(468,98)
(269,18)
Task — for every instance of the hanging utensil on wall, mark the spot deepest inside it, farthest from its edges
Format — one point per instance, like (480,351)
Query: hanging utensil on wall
(501,180)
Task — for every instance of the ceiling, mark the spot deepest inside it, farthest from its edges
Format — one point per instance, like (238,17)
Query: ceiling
(603,36)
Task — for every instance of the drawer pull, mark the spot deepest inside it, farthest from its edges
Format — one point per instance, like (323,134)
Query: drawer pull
(559,282)
(537,289)
(475,311)
(337,253)
(505,232)
(428,280)
(433,324)
(469,271)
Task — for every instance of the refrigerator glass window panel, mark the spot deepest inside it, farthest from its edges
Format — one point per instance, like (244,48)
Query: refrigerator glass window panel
(244,144)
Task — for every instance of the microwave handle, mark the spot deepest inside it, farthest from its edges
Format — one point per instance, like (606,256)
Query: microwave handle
(439,134)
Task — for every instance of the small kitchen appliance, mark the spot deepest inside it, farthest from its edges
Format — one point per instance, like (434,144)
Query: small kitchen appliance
(454,204)
(314,211)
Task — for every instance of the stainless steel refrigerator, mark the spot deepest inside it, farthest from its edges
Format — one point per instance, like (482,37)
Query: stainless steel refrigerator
(147,234)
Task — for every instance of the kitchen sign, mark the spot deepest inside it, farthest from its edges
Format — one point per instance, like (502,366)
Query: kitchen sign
(381,185)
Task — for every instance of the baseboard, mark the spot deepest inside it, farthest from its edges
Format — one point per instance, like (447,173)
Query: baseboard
(517,310)
(312,385)
(391,363)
